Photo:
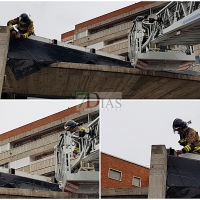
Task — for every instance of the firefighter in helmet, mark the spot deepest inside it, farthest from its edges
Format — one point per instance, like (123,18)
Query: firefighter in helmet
(189,137)
(72,127)
(24,25)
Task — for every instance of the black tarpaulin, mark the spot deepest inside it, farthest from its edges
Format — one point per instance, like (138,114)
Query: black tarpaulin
(183,177)
(15,181)
(183,192)
(22,68)
(26,56)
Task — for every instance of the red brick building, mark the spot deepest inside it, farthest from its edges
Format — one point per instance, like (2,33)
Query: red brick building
(119,173)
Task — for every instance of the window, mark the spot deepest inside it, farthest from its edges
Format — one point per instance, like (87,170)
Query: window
(116,40)
(37,136)
(4,165)
(114,174)
(197,60)
(47,154)
(5,147)
(82,34)
(136,181)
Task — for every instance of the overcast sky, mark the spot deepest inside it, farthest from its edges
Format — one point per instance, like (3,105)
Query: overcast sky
(52,18)
(16,113)
(129,133)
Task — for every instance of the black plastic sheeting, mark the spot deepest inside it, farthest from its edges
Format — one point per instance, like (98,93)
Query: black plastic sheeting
(183,178)
(183,192)
(27,56)
(14,181)
(22,68)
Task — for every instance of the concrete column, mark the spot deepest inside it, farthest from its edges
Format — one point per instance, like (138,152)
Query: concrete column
(4,44)
(158,172)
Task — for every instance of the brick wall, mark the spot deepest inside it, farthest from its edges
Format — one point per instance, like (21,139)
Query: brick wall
(128,170)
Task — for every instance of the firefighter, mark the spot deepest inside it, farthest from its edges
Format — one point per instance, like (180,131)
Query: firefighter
(189,137)
(24,26)
(72,127)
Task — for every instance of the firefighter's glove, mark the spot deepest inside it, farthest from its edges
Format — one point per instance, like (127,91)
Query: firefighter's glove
(82,129)
(10,26)
(178,152)
(25,35)
(14,33)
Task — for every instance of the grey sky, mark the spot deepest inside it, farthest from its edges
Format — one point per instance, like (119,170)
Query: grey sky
(52,18)
(129,133)
(16,113)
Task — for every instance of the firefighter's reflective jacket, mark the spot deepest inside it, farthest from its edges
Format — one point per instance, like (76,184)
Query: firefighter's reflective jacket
(26,29)
(81,134)
(189,139)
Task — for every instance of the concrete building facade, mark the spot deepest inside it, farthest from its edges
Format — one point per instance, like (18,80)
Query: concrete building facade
(117,173)
(109,32)
(30,148)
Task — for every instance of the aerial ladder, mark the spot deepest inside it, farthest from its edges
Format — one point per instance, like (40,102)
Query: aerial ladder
(165,42)
(78,174)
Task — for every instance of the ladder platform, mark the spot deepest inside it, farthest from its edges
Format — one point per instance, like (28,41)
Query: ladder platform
(153,60)
(83,176)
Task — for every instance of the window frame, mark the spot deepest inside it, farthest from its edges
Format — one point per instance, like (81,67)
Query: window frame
(139,178)
(115,171)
